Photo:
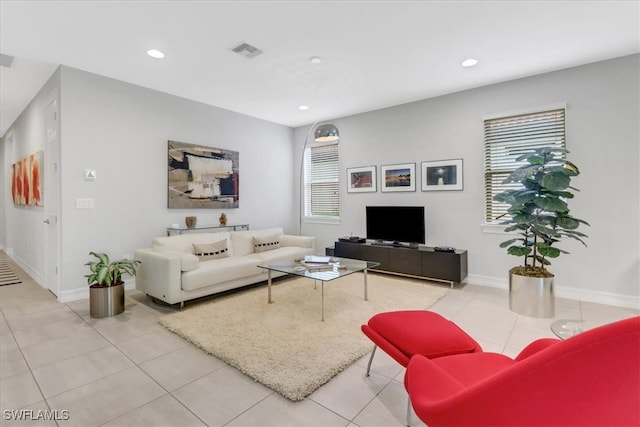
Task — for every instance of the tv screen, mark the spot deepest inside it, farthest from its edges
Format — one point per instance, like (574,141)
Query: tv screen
(396,223)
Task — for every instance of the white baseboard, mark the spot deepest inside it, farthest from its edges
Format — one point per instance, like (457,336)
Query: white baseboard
(78,294)
(37,277)
(491,282)
(598,297)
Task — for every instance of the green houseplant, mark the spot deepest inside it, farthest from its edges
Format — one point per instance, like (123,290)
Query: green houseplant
(539,213)
(106,287)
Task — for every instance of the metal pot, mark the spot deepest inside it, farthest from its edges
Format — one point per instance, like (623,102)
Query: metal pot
(105,301)
(531,296)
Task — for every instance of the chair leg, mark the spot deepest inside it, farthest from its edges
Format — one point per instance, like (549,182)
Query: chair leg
(408,411)
(373,353)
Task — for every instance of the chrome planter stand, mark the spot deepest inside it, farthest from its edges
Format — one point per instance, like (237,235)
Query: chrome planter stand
(531,296)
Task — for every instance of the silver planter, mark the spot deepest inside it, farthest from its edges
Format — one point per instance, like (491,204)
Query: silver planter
(105,301)
(531,296)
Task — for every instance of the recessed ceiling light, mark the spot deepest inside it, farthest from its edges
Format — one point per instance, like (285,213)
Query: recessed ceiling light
(469,62)
(155,53)
(315,60)
(303,107)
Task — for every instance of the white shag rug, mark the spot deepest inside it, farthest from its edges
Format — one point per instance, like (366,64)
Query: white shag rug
(285,345)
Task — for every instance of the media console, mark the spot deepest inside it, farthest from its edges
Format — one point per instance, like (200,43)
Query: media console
(422,262)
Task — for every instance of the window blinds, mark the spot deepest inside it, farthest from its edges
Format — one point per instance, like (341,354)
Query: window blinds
(321,181)
(506,139)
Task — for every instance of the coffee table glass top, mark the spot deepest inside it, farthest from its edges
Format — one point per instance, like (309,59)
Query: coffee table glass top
(566,328)
(339,267)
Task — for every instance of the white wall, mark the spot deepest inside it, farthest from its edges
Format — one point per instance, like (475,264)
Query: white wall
(602,135)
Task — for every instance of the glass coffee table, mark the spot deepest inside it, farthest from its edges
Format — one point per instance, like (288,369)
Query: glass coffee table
(337,268)
(566,328)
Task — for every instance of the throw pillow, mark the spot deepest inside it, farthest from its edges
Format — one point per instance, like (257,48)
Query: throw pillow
(266,243)
(206,251)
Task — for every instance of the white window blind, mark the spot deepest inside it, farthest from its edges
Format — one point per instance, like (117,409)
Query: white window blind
(321,182)
(505,139)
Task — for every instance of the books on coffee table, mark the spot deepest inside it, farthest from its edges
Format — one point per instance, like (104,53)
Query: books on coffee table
(315,259)
(318,267)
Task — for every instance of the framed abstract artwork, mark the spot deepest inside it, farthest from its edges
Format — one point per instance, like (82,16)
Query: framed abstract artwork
(202,177)
(400,177)
(442,175)
(361,180)
(27,180)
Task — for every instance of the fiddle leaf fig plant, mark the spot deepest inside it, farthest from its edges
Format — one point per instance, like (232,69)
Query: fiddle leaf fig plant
(109,273)
(539,211)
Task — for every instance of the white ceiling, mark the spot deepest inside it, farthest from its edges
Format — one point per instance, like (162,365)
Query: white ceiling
(374,53)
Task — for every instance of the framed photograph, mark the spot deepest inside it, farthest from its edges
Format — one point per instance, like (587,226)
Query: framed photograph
(401,177)
(442,175)
(361,180)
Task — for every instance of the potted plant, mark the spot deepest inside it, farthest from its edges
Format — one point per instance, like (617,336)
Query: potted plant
(539,213)
(106,288)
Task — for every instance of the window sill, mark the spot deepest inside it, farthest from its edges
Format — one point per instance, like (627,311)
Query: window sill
(321,220)
(492,228)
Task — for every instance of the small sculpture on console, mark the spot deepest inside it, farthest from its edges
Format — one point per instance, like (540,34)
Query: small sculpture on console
(191,221)
(223,219)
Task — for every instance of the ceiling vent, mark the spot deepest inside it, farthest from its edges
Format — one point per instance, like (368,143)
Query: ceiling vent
(246,50)
(6,60)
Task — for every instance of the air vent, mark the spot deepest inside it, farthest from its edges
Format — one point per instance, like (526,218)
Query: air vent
(6,60)
(246,50)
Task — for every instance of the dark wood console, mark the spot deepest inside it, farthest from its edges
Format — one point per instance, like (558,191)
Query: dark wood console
(423,262)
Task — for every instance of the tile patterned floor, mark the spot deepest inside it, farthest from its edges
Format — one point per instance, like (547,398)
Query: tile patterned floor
(129,371)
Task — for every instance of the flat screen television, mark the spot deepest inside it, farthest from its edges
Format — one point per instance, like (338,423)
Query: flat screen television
(396,224)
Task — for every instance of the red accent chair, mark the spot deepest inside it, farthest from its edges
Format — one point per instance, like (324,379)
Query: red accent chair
(590,379)
(401,334)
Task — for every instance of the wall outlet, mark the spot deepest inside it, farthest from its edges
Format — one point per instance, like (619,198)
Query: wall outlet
(84,203)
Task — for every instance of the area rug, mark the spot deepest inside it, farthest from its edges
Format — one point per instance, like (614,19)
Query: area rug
(7,276)
(285,345)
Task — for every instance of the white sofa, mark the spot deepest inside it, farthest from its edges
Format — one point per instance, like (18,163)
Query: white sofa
(192,265)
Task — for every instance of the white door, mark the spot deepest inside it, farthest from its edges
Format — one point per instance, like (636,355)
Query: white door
(52,195)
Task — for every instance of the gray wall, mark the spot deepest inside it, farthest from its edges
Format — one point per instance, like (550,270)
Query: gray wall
(121,131)
(22,229)
(603,137)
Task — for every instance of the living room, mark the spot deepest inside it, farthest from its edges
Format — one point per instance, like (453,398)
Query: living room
(133,124)
(120,130)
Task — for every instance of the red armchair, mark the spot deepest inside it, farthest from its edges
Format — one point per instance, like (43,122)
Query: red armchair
(590,379)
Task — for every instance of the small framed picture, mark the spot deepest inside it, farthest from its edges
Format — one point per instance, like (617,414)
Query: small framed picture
(442,175)
(361,180)
(400,177)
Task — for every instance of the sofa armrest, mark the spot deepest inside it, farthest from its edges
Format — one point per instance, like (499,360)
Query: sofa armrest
(159,274)
(301,241)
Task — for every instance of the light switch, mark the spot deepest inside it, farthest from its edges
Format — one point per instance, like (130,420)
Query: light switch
(89,174)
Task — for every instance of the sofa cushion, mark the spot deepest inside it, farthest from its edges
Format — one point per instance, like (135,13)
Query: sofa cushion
(189,262)
(184,242)
(243,240)
(215,271)
(206,251)
(266,243)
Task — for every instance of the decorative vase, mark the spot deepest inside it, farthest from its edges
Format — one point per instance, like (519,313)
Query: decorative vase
(106,301)
(531,296)
(191,221)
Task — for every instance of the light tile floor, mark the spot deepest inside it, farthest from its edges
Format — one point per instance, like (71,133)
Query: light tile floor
(127,370)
